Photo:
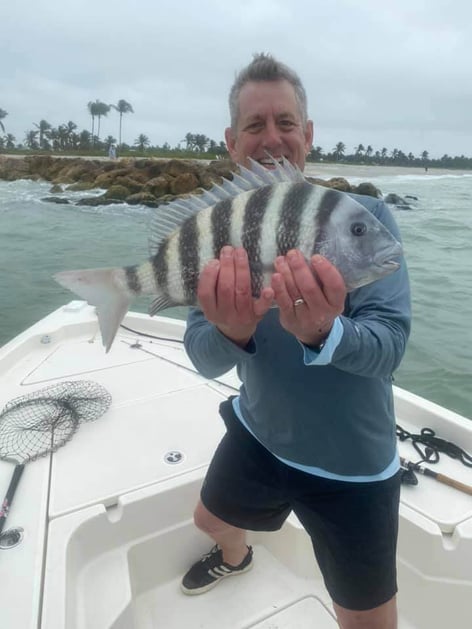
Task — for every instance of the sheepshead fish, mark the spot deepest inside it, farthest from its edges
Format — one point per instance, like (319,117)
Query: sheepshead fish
(268,212)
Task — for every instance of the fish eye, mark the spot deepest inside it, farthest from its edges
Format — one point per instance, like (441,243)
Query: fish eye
(358,229)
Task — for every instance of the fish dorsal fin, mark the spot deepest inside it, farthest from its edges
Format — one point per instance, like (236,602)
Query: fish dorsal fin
(167,218)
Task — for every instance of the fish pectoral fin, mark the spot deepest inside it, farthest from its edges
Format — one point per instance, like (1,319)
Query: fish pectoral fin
(161,303)
(106,290)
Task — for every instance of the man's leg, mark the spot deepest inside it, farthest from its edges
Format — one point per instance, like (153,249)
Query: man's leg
(229,556)
(230,539)
(354,529)
(382,617)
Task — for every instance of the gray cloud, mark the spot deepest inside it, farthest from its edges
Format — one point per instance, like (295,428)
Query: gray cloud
(396,75)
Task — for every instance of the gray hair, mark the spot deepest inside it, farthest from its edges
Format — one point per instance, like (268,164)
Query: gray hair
(265,67)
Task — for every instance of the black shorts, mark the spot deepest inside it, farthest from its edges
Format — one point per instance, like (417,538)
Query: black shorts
(353,526)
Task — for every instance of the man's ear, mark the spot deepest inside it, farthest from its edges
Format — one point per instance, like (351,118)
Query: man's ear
(309,135)
(230,139)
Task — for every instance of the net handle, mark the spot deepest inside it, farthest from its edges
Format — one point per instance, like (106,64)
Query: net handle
(6,504)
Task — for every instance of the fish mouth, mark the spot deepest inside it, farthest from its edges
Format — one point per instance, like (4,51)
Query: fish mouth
(389,265)
(390,258)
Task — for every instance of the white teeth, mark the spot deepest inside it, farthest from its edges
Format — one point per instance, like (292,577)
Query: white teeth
(270,162)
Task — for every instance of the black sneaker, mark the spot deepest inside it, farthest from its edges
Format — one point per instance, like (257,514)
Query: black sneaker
(210,569)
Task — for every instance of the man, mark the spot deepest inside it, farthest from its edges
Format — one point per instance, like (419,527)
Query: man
(313,428)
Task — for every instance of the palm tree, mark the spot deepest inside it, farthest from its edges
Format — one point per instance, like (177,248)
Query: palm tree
(122,107)
(359,149)
(201,142)
(92,107)
(190,141)
(142,142)
(44,129)
(10,141)
(102,110)
(98,109)
(316,153)
(30,139)
(63,135)
(339,150)
(85,139)
(222,148)
(3,113)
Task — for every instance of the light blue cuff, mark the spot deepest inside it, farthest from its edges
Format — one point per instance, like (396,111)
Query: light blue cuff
(324,357)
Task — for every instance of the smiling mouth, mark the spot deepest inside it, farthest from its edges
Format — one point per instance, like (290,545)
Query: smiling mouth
(268,162)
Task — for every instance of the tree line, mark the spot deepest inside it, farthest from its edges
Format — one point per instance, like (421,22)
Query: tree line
(384,157)
(67,137)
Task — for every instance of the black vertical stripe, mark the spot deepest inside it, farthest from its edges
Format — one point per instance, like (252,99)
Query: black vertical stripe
(132,279)
(221,224)
(160,267)
(189,254)
(328,202)
(251,234)
(288,228)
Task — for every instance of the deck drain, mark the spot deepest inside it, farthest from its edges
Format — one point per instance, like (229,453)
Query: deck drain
(173,457)
(11,538)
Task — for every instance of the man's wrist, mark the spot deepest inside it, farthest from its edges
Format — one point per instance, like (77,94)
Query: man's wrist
(317,341)
(239,338)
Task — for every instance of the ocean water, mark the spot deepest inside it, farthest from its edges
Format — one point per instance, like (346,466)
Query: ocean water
(37,239)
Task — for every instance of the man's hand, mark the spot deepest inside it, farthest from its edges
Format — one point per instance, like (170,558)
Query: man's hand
(320,286)
(225,296)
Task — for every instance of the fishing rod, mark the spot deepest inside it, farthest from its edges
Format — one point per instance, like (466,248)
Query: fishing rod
(442,478)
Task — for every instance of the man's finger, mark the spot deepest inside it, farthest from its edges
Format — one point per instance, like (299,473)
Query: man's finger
(243,290)
(331,280)
(265,301)
(282,266)
(281,295)
(225,288)
(207,283)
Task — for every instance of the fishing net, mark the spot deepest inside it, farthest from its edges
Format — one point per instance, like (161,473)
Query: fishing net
(39,423)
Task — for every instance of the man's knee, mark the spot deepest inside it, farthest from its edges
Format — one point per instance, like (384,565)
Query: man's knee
(207,522)
(382,617)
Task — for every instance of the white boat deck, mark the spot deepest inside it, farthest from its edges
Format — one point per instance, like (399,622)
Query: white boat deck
(107,519)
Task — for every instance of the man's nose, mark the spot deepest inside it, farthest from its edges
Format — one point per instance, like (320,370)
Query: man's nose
(272,137)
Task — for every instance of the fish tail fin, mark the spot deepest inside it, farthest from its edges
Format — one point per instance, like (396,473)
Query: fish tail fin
(107,290)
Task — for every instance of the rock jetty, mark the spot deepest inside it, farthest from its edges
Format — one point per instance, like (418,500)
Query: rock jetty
(149,182)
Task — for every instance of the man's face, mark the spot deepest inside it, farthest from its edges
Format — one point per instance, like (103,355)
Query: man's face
(269,121)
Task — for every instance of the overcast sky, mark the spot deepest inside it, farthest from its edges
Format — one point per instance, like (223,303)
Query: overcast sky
(394,74)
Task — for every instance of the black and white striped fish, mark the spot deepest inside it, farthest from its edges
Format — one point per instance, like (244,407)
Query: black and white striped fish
(268,212)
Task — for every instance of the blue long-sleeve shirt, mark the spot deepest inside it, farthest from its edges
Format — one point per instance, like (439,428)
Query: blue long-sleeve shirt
(328,413)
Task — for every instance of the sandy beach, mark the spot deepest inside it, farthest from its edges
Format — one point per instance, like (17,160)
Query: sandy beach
(372,172)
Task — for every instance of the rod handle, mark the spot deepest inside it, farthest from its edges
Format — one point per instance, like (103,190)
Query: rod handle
(447,480)
(6,504)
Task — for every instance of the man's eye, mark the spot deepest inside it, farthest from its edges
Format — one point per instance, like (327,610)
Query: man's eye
(255,127)
(286,124)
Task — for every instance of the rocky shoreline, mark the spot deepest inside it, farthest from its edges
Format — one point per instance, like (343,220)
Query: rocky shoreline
(150,182)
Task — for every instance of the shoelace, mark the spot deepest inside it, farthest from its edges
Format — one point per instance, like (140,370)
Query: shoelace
(211,553)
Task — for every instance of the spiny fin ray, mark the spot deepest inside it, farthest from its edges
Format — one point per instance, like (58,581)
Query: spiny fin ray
(168,218)
(160,303)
